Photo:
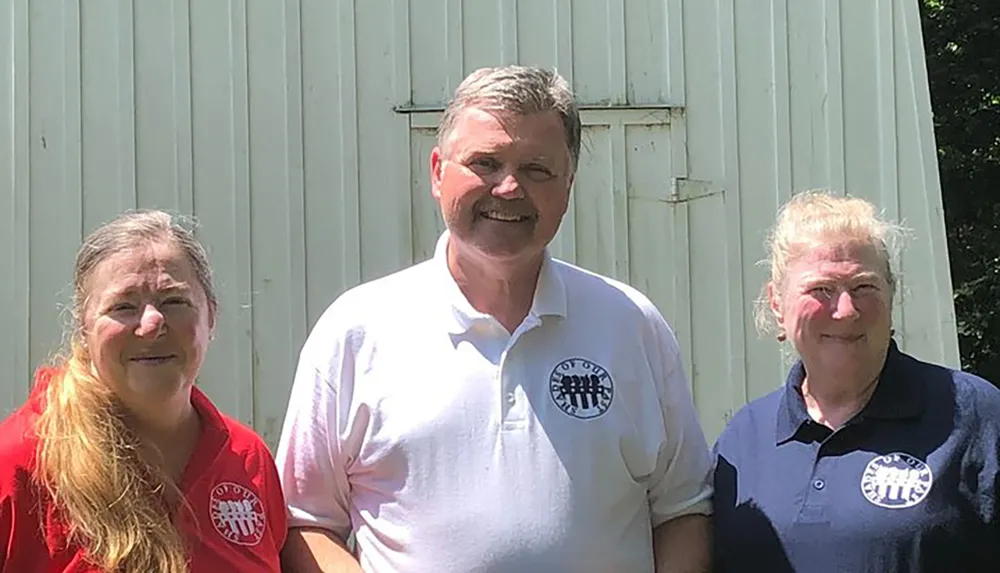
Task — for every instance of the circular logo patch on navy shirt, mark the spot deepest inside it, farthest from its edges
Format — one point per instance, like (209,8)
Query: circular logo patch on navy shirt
(581,388)
(896,481)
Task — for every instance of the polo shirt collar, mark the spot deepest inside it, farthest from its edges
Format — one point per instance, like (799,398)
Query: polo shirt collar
(215,435)
(549,299)
(897,396)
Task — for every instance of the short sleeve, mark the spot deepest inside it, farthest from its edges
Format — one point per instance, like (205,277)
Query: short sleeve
(311,466)
(681,483)
(277,509)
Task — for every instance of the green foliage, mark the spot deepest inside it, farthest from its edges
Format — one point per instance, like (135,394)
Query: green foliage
(962,44)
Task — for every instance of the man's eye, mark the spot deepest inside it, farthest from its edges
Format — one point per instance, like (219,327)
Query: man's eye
(538,172)
(485,163)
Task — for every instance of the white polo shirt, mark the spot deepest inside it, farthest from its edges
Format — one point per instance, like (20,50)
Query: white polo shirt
(448,444)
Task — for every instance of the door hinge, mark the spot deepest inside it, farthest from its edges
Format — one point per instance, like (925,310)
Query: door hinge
(683,189)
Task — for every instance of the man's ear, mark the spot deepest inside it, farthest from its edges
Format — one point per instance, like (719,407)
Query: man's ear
(437,168)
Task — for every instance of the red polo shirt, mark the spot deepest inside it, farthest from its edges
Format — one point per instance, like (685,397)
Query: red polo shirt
(230,482)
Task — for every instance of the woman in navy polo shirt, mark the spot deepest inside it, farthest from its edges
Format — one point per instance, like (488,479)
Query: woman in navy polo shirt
(867,459)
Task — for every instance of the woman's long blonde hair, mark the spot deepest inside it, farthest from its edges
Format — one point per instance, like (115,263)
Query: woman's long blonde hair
(111,499)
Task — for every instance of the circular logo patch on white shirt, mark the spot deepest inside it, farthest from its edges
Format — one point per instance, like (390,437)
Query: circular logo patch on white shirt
(896,481)
(237,514)
(581,388)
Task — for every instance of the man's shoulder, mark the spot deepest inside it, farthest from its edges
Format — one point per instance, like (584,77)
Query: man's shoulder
(384,297)
(594,288)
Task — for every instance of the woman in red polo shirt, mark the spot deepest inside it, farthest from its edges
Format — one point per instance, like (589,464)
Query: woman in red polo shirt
(117,462)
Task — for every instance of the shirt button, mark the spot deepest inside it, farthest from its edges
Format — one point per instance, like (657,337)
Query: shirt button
(510,399)
(819,484)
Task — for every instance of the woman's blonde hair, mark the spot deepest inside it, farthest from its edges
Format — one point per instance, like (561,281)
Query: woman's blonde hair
(818,217)
(112,500)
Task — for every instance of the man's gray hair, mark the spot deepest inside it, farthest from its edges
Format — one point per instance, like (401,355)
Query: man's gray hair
(521,90)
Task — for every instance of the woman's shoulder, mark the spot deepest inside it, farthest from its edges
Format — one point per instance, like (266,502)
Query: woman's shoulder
(18,446)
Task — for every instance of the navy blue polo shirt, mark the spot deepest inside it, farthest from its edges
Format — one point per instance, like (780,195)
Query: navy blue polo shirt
(908,484)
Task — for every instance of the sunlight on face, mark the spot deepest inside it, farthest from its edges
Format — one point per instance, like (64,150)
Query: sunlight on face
(147,323)
(835,308)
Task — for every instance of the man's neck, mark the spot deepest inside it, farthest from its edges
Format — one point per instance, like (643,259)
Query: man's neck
(504,291)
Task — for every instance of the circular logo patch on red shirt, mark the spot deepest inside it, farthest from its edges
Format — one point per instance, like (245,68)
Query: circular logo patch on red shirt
(237,514)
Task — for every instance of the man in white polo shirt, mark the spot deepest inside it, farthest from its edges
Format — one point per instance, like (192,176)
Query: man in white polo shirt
(494,409)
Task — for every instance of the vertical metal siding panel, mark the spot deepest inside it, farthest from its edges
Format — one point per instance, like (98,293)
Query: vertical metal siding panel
(182,128)
(12,390)
(617,89)
(676,89)
(14,197)
(72,151)
(454,38)
(275,198)
(590,199)
(271,391)
(322,158)
(330,152)
(837,178)
(888,191)
(220,142)
(350,180)
(482,37)
(600,201)
(156,113)
(862,113)
(104,40)
(617,207)
(755,116)
(751,365)
(126,144)
(401,89)
(647,59)
(563,245)
(592,60)
(782,108)
(272,384)
(508,32)
(709,145)
(54,212)
(427,222)
(386,203)
(432,33)
(650,160)
(807,62)
(538,33)
(931,334)
(564,39)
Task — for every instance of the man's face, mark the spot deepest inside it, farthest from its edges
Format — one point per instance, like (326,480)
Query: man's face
(503,182)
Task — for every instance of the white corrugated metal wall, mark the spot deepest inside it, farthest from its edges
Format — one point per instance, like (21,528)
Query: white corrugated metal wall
(298,132)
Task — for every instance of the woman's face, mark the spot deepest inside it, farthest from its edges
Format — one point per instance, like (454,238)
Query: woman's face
(147,323)
(835,308)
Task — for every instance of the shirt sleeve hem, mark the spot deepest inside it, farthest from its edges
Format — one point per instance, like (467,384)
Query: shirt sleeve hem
(701,505)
